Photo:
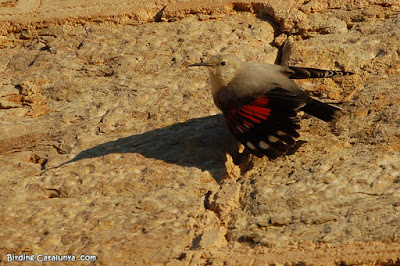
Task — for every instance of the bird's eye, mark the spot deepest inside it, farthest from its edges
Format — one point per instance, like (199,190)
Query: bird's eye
(223,63)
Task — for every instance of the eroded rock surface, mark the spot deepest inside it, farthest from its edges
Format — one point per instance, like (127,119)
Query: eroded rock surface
(110,146)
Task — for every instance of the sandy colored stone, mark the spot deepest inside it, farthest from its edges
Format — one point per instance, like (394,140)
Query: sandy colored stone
(110,146)
(225,200)
(213,238)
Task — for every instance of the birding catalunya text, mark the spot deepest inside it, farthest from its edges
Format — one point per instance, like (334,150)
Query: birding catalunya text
(45,258)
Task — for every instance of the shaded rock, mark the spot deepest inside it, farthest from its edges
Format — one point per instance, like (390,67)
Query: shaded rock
(110,146)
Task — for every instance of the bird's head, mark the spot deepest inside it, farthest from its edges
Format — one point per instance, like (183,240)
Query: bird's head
(222,69)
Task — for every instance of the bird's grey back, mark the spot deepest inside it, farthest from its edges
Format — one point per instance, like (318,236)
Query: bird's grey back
(257,78)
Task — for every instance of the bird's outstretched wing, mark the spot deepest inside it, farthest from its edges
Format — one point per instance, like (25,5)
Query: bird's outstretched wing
(306,73)
(266,124)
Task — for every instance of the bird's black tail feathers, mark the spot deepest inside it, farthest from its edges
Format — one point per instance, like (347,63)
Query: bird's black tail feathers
(306,73)
(323,111)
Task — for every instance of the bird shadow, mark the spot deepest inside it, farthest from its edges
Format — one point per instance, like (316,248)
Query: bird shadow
(198,142)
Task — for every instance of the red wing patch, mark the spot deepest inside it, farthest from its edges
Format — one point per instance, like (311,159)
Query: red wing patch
(244,118)
(266,125)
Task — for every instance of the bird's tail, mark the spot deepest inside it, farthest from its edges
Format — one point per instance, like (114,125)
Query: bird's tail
(306,73)
(323,111)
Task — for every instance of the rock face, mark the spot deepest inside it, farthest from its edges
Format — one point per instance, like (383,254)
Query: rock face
(110,146)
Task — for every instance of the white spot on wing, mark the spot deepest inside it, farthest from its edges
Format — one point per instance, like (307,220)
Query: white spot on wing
(240,130)
(264,145)
(251,146)
(280,133)
(246,125)
(273,139)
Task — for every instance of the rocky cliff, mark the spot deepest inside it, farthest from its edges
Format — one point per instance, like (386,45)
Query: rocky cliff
(110,146)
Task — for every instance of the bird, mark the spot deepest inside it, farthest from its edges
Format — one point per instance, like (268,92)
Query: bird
(261,103)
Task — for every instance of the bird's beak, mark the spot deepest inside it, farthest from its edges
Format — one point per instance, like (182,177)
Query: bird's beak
(200,64)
